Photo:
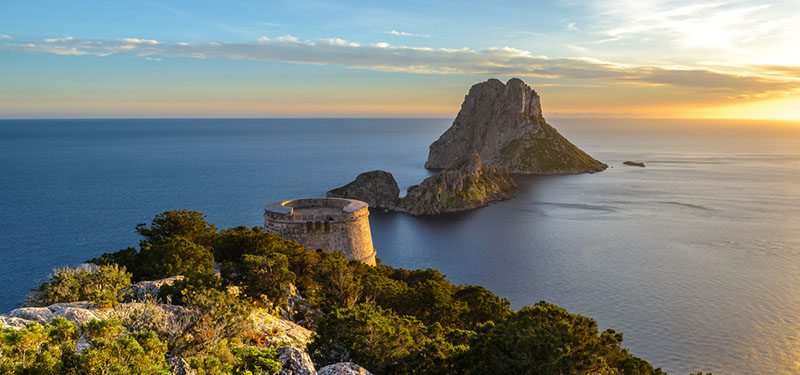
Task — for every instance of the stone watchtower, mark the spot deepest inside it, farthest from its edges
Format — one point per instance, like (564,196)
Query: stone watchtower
(330,224)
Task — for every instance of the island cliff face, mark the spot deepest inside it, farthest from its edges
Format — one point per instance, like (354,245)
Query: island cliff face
(377,188)
(452,190)
(503,124)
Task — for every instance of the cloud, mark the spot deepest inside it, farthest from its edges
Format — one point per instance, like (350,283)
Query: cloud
(759,81)
(140,41)
(5,37)
(403,33)
(717,25)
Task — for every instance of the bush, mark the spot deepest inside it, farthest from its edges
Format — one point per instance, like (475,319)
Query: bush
(242,360)
(263,278)
(214,317)
(168,257)
(173,256)
(50,349)
(373,337)
(546,339)
(339,281)
(111,351)
(37,349)
(190,225)
(100,287)
(191,283)
(233,243)
(481,306)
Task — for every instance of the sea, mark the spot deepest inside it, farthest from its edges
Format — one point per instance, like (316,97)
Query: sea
(695,257)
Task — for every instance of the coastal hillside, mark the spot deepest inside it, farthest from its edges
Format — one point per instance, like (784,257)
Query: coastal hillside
(504,124)
(242,301)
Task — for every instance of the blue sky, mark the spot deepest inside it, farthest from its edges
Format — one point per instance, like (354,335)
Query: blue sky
(646,58)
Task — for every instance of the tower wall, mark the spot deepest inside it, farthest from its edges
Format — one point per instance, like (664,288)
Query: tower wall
(329,224)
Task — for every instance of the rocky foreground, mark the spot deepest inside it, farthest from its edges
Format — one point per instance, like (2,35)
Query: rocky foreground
(504,124)
(289,338)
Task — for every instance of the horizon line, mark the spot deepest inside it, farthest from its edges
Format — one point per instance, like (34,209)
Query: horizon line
(389,118)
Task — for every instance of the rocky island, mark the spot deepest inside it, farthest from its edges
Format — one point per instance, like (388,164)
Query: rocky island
(451,190)
(499,130)
(504,124)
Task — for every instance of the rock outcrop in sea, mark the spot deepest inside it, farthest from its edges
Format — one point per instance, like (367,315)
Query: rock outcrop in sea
(453,190)
(378,188)
(634,163)
(504,124)
(471,186)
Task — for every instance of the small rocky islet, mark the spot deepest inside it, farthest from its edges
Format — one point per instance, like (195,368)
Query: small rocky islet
(499,131)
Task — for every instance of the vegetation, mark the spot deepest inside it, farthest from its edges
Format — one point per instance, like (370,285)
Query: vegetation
(50,349)
(100,287)
(389,320)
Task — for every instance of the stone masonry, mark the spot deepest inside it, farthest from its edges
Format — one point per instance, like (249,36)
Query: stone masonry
(329,224)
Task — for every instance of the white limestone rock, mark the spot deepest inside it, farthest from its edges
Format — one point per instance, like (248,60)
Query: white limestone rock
(343,368)
(179,366)
(145,289)
(280,331)
(295,361)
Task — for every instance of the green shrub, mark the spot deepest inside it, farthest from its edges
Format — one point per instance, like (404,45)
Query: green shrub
(375,338)
(112,351)
(174,256)
(50,349)
(100,287)
(37,349)
(214,317)
(481,305)
(242,360)
(190,225)
(262,278)
(338,280)
(191,283)
(546,339)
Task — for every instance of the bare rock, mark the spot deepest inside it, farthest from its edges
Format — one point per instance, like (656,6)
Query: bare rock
(279,331)
(343,368)
(78,312)
(297,310)
(179,366)
(41,315)
(13,322)
(471,186)
(145,289)
(77,315)
(634,164)
(377,188)
(503,123)
(82,344)
(295,361)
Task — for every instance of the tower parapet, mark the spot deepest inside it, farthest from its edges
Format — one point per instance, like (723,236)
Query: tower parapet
(330,224)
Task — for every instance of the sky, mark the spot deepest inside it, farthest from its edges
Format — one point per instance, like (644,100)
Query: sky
(307,58)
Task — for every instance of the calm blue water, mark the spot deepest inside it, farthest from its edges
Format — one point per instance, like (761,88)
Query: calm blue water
(696,258)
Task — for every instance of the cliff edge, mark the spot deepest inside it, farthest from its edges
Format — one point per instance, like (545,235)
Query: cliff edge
(503,124)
